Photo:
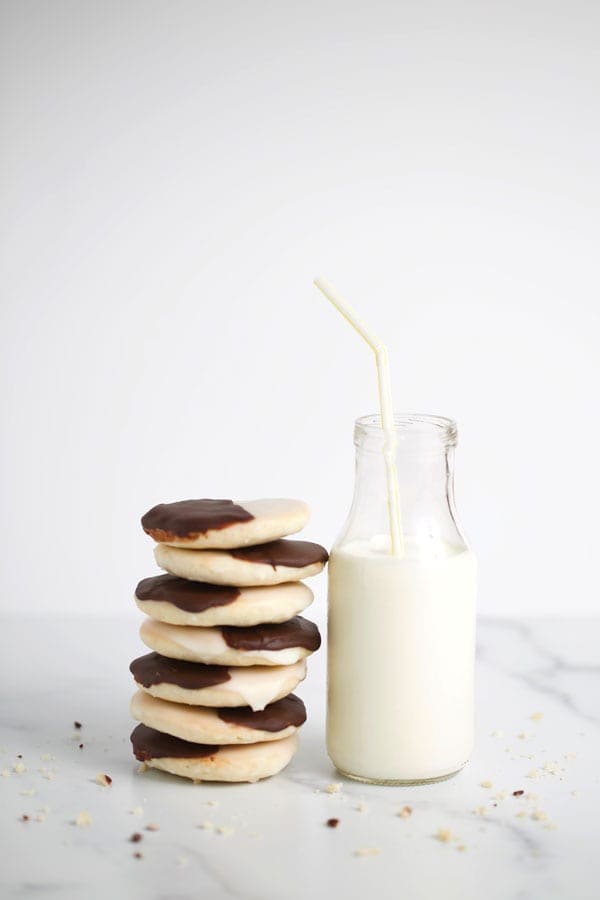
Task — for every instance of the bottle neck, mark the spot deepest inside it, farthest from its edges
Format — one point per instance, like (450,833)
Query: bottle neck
(424,458)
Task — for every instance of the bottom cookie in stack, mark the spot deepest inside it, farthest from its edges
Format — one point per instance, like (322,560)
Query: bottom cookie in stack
(207,762)
(210,744)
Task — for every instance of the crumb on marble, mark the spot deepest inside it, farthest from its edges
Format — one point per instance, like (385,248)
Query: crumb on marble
(136,837)
(501,795)
(334,788)
(137,811)
(6,773)
(522,814)
(536,716)
(19,768)
(497,734)
(41,817)
(361,808)
(480,810)
(77,725)
(332,823)
(46,757)
(152,826)
(24,818)
(83,820)
(405,812)
(533,774)
(206,826)
(539,815)
(44,809)
(367,851)
(182,860)
(225,830)
(30,793)
(212,803)
(444,835)
(461,848)
(103,780)
(574,793)
(523,736)
(486,784)
(518,793)
(552,768)
(138,855)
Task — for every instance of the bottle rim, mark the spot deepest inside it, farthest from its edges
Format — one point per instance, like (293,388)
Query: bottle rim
(409,425)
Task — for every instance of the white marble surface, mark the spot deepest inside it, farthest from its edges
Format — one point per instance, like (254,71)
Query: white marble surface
(276,845)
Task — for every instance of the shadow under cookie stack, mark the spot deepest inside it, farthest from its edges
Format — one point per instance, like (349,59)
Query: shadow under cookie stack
(214,696)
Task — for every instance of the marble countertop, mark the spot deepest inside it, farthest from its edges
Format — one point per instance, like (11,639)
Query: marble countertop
(538,731)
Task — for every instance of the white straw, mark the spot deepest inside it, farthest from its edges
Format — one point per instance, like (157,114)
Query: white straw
(385,407)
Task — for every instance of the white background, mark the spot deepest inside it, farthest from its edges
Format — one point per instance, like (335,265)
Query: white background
(174,174)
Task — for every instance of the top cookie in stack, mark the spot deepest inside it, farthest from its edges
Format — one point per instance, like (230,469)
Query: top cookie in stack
(225,631)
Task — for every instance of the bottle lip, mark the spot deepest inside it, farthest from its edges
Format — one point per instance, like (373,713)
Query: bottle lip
(408,426)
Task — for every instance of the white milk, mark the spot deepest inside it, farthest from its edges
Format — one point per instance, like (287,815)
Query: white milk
(400,660)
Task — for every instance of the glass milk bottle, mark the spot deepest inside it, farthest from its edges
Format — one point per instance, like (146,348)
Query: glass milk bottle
(401,628)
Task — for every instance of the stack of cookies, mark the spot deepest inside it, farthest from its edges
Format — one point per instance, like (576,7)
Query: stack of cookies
(229,647)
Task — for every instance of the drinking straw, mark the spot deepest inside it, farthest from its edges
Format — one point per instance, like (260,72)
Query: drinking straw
(386,409)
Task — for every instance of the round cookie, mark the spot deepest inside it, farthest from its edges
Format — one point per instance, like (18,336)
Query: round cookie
(204,725)
(183,602)
(206,524)
(201,685)
(202,762)
(273,644)
(272,563)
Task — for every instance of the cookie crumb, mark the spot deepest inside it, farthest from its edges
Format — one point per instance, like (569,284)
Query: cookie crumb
(480,810)
(138,855)
(6,773)
(522,814)
(77,725)
(444,835)
(367,851)
(461,848)
(497,734)
(19,768)
(518,793)
(362,808)
(137,811)
(574,793)
(24,818)
(207,826)
(501,795)
(332,823)
(103,780)
(539,815)
(552,768)
(334,788)
(46,757)
(136,837)
(225,830)
(83,820)
(405,812)
(534,774)
(486,784)
(152,826)
(536,716)
(81,746)
(30,793)
(212,803)
(523,736)
(41,817)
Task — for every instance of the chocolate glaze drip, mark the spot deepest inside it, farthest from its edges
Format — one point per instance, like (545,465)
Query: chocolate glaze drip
(295,554)
(277,716)
(297,632)
(190,596)
(156,669)
(148,743)
(187,518)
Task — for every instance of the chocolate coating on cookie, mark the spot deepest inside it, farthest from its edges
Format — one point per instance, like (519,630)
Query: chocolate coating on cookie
(188,518)
(296,632)
(276,716)
(293,554)
(148,743)
(156,669)
(191,596)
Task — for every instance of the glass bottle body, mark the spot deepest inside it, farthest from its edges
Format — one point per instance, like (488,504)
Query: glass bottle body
(401,629)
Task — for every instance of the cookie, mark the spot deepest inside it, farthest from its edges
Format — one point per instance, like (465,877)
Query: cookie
(214,524)
(206,725)
(200,685)
(276,644)
(202,762)
(273,644)
(182,602)
(272,563)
